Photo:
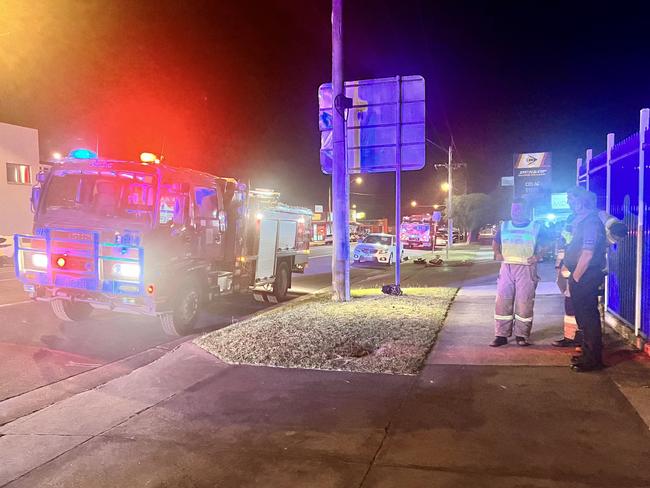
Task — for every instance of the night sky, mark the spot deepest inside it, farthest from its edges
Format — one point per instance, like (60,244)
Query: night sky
(230,87)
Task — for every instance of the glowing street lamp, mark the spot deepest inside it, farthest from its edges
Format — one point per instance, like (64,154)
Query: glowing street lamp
(445,186)
(57,156)
(436,206)
(414,203)
(354,205)
(358,180)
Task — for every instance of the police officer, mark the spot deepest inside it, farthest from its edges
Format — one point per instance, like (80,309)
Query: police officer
(585,259)
(517,245)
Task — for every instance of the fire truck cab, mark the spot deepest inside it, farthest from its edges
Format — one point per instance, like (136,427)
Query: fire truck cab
(148,238)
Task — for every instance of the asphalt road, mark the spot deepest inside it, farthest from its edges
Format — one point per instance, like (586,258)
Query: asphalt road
(36,349)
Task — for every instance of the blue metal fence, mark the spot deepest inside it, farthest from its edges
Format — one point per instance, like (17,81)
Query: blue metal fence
(645,288)
(624,198)
(623,189)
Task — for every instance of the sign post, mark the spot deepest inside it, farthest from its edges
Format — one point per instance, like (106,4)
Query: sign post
(384,131)
(450,220)
(398,187)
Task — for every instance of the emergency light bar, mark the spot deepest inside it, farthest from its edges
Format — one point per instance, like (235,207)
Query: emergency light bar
(82,153)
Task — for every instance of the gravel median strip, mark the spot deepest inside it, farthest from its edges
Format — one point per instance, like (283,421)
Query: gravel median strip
(374,333)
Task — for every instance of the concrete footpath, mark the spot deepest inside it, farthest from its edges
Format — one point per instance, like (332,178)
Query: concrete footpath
(475,417)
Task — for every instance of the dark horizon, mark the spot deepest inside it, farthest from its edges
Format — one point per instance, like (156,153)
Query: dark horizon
(231,88)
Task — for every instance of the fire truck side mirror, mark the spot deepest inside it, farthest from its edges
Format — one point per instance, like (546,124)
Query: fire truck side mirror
(36,195)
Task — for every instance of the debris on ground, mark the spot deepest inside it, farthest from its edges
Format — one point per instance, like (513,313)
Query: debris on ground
(373,333)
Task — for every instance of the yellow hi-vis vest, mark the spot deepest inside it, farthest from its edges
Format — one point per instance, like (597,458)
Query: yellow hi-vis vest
(518,243)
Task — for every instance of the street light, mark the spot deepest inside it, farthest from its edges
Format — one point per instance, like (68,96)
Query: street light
(414,203)
(56,156)
(358,180)
(354,205)
(445,186)
(436,206)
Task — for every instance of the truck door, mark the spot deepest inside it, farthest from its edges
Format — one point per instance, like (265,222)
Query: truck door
(210,222)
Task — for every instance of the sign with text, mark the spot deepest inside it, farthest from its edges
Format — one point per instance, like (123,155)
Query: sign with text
(533,177)
(387,115)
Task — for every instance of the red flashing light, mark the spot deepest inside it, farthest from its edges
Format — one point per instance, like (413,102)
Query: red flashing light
(61,262)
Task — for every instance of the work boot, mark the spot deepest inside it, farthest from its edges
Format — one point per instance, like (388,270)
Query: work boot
(564,342)
(586,367)
(522,341)
(499,341)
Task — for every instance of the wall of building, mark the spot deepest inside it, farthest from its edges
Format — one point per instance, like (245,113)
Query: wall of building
(18,145)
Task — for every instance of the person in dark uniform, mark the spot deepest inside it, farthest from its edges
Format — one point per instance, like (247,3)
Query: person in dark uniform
(585,259)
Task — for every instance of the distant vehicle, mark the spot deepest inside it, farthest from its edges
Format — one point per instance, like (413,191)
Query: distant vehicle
(417,231)
(487,233)
(6,250)
(442,233)
(378,248)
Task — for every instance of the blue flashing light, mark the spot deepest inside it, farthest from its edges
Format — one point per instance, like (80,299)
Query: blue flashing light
(82,153)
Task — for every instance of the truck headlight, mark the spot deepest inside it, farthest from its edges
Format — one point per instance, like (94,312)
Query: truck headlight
(39,260)
(127,270)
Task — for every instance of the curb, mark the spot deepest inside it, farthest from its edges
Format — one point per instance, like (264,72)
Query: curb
(31,401)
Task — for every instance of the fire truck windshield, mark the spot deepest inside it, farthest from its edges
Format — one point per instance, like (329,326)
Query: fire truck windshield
(101,193)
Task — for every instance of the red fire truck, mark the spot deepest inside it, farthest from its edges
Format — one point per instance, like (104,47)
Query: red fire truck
(148,238)
(418,231)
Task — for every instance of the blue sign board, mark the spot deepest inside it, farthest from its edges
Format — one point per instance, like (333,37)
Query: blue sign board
(373,122)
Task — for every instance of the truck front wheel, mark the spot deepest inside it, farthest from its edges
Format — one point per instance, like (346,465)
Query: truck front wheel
(187,304)
(71,311)
(281,284)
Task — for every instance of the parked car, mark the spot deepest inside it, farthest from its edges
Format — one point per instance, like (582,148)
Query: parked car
(487,233)
(378,248)
(6,250)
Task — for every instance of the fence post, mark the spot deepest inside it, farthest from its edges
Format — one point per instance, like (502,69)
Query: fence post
(608,202)
(644,123)
(579,166)
(588,158)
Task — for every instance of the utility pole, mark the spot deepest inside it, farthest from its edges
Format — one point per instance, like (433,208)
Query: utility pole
(340,180)
(450,220)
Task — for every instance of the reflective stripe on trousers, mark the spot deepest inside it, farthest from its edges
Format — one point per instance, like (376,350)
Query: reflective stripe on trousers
(515,299)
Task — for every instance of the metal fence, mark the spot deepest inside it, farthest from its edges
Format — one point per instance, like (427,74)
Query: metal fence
(615,178)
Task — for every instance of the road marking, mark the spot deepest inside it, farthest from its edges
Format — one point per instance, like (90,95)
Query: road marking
(15,303)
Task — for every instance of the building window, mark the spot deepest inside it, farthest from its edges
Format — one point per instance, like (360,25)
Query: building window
(19,174)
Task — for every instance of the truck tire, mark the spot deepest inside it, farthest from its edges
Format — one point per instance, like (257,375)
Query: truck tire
(71,311)
(187,304)
(281,284)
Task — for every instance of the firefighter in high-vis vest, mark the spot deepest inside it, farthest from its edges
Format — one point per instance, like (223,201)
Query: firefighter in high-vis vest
(517,245)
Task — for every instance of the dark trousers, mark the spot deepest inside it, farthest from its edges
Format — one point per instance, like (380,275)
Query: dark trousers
(584,296)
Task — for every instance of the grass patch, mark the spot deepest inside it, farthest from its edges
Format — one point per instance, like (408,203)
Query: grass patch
(373,333)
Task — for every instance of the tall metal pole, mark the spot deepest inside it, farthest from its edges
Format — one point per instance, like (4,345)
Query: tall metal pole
(398,185)
(340,180)
(450,220)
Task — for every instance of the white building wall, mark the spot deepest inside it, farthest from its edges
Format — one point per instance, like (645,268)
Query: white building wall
(18,145)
